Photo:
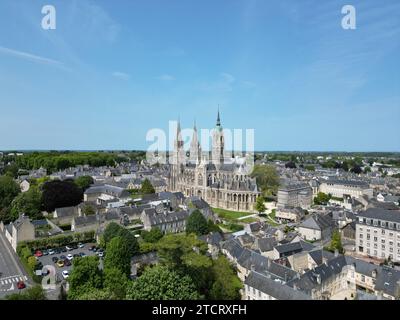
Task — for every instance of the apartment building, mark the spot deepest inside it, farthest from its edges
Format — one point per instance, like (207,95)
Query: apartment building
(378,233)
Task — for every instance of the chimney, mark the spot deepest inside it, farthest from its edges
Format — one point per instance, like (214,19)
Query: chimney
(318,278)
(253,267)
(336,252)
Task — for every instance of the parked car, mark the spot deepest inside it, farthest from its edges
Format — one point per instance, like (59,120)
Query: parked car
(63,249)
(100,254)
(54,259)
(63,257)
(60,263)
(70,256)
(21,285)
(65,274)
(69,248)
(38,253)
(82,254)
(45,252)
(74,246)
(92,248)
(81,245)
(51,251)
(67,263)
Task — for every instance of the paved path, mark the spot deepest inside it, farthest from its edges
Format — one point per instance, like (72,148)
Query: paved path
(250,216)
(11,270)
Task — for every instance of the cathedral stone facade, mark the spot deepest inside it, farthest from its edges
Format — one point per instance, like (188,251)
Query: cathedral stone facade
(224,182)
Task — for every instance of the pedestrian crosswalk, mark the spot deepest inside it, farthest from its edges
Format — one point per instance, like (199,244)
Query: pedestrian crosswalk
(12,279)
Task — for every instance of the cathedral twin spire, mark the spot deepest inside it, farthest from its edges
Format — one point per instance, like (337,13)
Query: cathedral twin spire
(195,148)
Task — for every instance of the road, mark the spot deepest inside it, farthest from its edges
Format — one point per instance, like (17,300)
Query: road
(10,268)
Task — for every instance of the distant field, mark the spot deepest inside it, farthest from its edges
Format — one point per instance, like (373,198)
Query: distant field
(230,215)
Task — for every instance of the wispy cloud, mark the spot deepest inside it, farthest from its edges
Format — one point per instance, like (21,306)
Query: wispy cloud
(29,56)
(121,75)
(165,77)
(223,84)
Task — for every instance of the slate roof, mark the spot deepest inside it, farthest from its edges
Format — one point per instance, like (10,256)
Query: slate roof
(274,288)
(388,281)
(266,244)
(381,214)
(86,220)
(65,211)
(325,271)
(320,255)
(213,238)
(317,222)
(161,218)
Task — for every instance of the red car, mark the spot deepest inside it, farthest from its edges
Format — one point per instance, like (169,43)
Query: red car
(38,253)
(21,285)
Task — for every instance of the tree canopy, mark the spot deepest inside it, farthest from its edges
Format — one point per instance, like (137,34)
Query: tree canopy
(9,189)
(84,182)
(115,230)
(226,284)
(58,194)
(259,206)
(29,203)
(197,223)
(147,187)
(161,283)
(322,198)
(85,275)
(118,256)
(33,293)
(151,236)
(267,178)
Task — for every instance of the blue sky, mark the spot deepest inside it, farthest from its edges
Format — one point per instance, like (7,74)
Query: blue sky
(112,70)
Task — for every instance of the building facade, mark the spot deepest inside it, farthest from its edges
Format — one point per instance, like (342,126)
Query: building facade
(378,233)
(295,195)
(224,182)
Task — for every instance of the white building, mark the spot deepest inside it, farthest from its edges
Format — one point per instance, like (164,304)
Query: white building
(378,233)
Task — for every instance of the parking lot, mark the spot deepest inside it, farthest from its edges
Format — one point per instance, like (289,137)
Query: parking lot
(47,260)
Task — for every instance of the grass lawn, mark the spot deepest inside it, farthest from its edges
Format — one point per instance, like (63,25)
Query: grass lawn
(230,215)
(249,220)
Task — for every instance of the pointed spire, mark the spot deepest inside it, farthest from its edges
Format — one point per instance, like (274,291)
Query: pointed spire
(194,125)
(178,129)
(218,119)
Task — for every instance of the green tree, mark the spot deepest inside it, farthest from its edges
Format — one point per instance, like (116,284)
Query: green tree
(96,294)
(85,276)
(226,285)
(33,293)
(115,230)
(58,194)
(267,178)
(118,256)
(322,198)
(115,282)
(160,283)
(147,187)
(152,236)
(186,255)
(259,206)
(84,182)
(9,189)
(29,203)
(88,210)
(336,242)
(196,223)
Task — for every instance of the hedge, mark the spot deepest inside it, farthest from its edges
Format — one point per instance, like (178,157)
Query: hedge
(58,241)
